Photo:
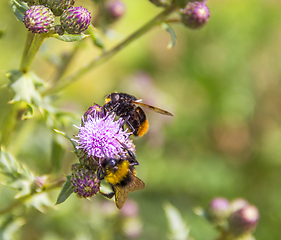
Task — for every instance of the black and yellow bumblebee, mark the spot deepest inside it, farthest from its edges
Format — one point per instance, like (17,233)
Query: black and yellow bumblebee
(120,173)
(128,108)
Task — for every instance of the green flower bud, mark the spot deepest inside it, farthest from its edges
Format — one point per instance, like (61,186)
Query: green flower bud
(75,20)
(39,19)
(57,6)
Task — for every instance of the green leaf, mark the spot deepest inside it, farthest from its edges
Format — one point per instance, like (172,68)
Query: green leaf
(66,191)
(74,144)
(95,37)
(70,37)
(25,87)
(19,8)
(170,30)
(178,228)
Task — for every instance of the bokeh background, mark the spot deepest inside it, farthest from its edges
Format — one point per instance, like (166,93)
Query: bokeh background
(223,85)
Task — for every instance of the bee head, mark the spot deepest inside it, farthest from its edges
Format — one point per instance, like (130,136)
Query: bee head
(114,97)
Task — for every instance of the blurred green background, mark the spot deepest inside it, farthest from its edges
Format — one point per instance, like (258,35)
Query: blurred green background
(223,85)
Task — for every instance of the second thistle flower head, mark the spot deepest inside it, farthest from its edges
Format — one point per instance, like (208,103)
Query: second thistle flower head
(75,20)
(195,14)
(101,136)
(84,182)
(39,19)
(57,6)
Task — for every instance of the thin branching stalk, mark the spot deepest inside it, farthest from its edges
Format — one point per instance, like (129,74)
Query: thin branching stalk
(110,53)
(20,201)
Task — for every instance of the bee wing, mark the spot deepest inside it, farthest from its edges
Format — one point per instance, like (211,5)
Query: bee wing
(136,184)
(155,109)
(121,195)
(122,192)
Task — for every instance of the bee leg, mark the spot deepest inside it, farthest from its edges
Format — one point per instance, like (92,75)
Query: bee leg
(126,120)
(112,110)
(107,195)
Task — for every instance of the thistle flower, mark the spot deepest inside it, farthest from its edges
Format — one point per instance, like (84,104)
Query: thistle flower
(95,110)
(218,211)
(101,136)
(39,19)
(244,220)
(195,14)
(75,20)
(57,6)
(114,10)
(84,182)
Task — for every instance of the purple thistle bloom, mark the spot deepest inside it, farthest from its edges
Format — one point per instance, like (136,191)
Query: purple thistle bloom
(244,220)
(84,182)
(75,20)
(195,14)
(114,10)
(218,210)
(101,137)
(39,19)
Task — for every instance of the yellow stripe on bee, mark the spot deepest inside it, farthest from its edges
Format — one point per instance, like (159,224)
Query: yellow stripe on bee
(143,128)
(107,100)
(117,176)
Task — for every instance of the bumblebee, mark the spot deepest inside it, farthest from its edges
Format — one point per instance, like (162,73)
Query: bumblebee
(128,107)
(120,173)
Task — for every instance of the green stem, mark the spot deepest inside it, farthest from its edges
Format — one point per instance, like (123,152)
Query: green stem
(18,202)
(108,54)
(10,122)
(31,48)
(28,42)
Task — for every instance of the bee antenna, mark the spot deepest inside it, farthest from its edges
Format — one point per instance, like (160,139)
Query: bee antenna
(102,150)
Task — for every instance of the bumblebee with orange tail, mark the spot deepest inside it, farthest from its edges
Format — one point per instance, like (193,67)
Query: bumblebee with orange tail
(128,108)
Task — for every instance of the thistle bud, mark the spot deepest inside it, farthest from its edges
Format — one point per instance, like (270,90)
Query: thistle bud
(84,182)
(75,20)
(39,19)
(161,3)
(94,111)
(218,211)
(195,14)
(57,6)
(114,10)
(244,220)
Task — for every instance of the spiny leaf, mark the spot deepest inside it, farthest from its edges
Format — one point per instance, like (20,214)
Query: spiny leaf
(19,8)
(66,191)
(170,30)
(25,87)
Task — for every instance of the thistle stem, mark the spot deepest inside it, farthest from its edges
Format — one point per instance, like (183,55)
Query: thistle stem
(110,53)
(33,43)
